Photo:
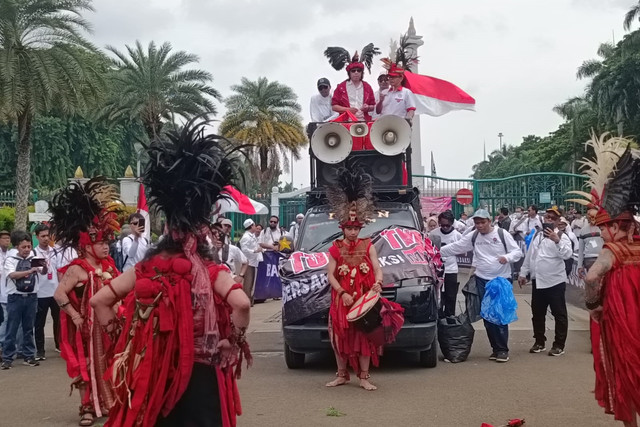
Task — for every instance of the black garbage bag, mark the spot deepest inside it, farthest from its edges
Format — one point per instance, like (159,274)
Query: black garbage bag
(473,299)
(455,336)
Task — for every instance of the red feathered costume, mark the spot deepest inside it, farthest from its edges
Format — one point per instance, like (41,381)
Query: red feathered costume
(617,356)
(164,335)
(87,350)
(348,341)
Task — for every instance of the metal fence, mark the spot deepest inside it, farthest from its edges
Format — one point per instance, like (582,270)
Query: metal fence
(541,189)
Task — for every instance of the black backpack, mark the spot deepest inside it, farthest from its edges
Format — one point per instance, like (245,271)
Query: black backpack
(568,263)
(25,284)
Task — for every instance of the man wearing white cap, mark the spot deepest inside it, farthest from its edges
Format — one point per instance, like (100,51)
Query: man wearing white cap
(252,250)
(493,252)
(295,228)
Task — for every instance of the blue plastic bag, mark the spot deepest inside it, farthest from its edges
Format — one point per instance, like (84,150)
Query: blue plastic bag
(529,237)
(499,306)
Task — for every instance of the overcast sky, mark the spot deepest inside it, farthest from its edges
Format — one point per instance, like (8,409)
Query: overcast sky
(516,58)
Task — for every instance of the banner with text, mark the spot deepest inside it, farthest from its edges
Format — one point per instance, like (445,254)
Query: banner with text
(403,253)
(435,205)
(268,283)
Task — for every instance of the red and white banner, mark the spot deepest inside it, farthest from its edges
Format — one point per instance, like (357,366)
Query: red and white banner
(143,209)
(436,97)
(240,203)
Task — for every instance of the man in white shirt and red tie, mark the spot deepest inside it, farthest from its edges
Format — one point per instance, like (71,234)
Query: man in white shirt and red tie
(545,263)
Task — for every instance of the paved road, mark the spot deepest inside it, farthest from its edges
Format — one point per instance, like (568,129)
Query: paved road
(546,391)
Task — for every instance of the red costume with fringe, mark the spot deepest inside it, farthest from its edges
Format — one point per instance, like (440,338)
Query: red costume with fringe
(618,364)
(348,341)
(167,329)
(87,350)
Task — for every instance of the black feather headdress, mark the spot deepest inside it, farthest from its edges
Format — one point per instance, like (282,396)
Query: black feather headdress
(187,173)
(351,198)
(339,57)
(614,178)
(82,214)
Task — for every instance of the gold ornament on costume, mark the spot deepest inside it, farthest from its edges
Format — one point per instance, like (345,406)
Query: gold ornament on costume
(343,270)
(364,268)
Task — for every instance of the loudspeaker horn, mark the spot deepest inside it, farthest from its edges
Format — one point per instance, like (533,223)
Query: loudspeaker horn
(359,129)
(331,143)
(390,135)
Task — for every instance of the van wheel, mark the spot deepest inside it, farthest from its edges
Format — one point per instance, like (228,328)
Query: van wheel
(429,358)
(292,359)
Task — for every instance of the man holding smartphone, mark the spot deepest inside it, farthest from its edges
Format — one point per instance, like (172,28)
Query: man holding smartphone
(135,245)
(545,263)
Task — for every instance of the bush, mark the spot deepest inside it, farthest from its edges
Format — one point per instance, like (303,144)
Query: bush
(7,218)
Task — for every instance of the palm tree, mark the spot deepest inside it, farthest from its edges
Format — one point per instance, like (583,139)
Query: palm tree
(266,115)
(591,67)
(631,16)
(577,112)
(153,86)
(45,63)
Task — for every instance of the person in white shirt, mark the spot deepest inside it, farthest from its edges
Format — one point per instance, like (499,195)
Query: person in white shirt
(320,105)
(448,235)
(270,237)
(383,84)
(545,263)
(5,242)
(253,252)
(461,225)
(589,245)
(22,301)
(135,245)
(295,228)
(398,101)
(579,222)
(48,283)
(229,255)
(493,251)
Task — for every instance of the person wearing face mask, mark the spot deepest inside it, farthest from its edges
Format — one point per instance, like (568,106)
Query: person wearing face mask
(448,235)
(84,217)
(383,88)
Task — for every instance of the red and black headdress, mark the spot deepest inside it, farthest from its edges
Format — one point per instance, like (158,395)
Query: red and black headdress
(401,58)
(351,198)
(339,57)
(614,178)
(87,213)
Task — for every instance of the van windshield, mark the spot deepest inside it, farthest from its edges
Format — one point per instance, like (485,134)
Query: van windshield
(319,230)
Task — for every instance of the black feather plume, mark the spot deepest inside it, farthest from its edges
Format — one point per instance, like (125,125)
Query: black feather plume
(403,58)
(353,186)
(186,175)
(75,208)
(623,183)
(367,54)
(338,57)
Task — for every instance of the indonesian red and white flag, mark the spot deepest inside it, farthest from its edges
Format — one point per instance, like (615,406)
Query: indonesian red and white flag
(238,202)
(436,97)
(143,209)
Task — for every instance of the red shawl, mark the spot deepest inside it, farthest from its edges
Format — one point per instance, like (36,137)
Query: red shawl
(155,355)
(341,97)
(87,350)
(618,369)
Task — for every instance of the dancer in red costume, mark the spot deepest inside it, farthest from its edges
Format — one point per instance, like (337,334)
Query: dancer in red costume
(354,94)
(183,339)
(353,271)
(84,218)
(613,281)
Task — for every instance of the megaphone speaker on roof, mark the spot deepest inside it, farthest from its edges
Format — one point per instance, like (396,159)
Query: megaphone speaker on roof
(390,135)
(359,130)
(331,143)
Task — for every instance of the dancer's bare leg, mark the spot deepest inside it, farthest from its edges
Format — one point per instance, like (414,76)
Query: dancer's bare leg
(342,377)
(364,373)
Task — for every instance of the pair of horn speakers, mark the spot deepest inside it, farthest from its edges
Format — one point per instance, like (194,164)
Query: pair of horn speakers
(332,142)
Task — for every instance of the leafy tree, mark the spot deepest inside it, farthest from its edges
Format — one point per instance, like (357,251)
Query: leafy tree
(154,87)
(267,115)
(45,64)
(631,16)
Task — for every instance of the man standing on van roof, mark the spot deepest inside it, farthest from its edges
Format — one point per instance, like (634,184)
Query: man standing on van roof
(493,252)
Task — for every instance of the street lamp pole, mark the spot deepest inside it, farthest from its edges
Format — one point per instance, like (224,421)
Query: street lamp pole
(500,135)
